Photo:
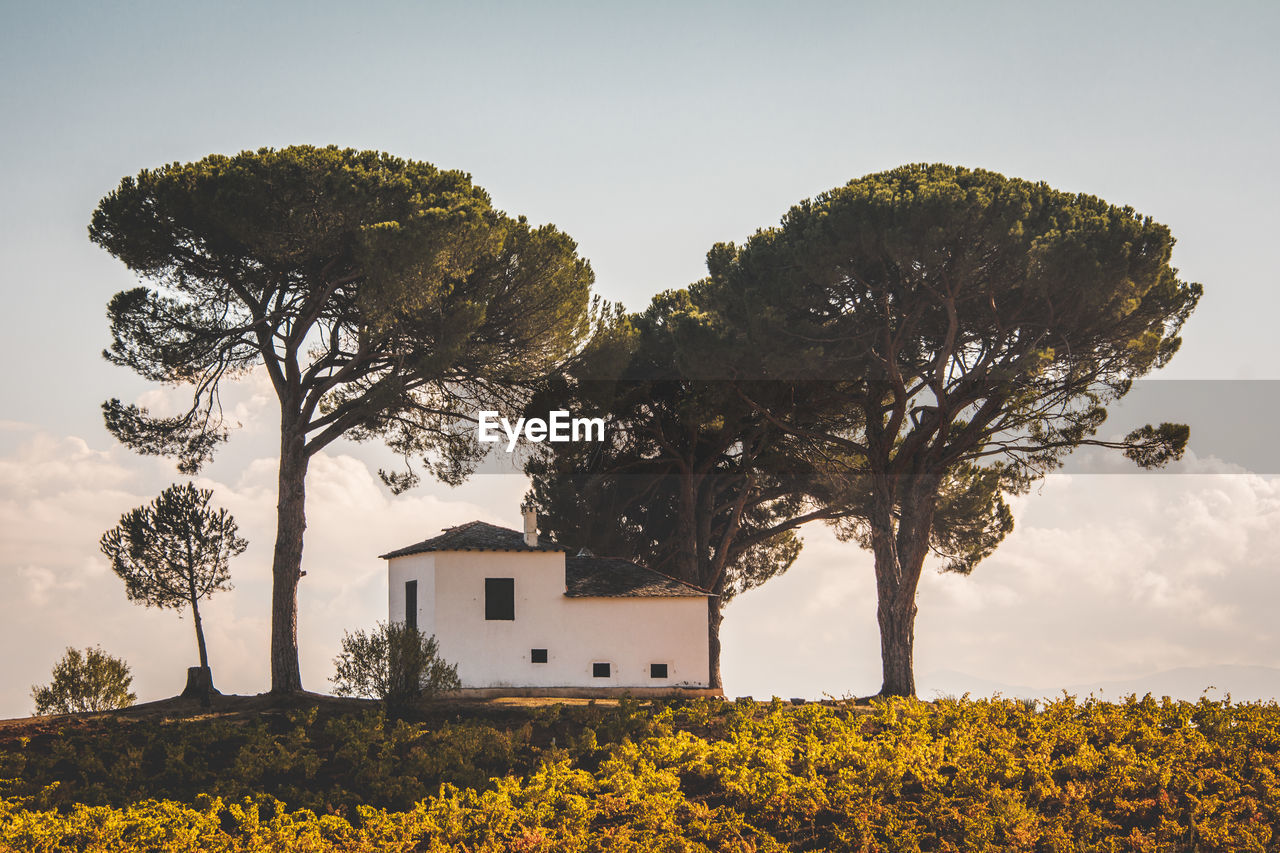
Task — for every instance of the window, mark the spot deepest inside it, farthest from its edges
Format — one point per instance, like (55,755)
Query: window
(411,604)
(600,670)
(500,598)
(657,670)
(538,655)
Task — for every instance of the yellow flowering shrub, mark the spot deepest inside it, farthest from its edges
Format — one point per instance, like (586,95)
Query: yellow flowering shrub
(955,775)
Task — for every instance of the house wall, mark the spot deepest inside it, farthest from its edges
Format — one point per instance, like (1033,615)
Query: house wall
(629,633)
(419,567)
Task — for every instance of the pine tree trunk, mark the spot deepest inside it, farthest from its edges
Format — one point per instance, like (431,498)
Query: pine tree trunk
(900,545)
(897,618)
(199,679)
(286,568)
(714,618)
(686,533)
(195,617)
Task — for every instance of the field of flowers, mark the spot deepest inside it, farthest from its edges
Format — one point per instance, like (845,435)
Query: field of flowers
(1140,775)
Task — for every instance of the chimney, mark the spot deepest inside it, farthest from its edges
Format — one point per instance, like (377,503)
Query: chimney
(531,527)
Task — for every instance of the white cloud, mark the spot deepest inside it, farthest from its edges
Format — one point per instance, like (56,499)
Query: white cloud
(1106,576)
(59,494)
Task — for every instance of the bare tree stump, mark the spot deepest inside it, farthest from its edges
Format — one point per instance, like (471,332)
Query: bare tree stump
(199,684)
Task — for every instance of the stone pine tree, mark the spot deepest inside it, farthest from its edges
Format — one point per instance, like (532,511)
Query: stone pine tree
(172,554)
(691,481)
(383,298)
(971,330)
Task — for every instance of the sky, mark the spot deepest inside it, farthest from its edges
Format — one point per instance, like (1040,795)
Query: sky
(649,132)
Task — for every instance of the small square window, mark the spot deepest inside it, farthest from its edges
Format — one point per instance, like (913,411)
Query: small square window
(538,655)
(657,670)
(600,670)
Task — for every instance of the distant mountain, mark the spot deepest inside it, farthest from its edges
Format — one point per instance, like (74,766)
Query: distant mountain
(1244,683)
(935,685)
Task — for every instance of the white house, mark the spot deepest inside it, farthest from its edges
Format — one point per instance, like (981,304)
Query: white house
(519,615)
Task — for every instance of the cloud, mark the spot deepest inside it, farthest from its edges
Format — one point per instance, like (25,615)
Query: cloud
(59,494)
(1105,577)
(1121,575)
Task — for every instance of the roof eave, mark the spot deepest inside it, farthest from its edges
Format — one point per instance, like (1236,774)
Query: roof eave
(640,595)
(391,555)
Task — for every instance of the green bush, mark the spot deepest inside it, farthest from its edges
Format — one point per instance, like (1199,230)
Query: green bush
(93,681)
(394,662)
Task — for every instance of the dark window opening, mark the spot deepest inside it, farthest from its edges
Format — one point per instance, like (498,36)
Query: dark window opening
(411,604)
(600,670)
(500,598)
(657,670)
(538,655)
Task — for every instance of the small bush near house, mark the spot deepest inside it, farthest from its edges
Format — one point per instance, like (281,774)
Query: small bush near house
(93,681)
(396,663)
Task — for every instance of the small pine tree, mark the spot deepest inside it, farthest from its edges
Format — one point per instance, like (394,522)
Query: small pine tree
(174,552)
(396,663)
(93,681)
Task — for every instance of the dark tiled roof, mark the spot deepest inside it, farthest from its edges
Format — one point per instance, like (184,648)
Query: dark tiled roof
(474,536)
(608,577)
(585,576)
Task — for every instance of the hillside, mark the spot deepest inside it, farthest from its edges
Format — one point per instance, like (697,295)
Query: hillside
(691,775)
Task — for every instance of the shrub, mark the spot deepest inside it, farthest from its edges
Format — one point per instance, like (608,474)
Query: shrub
(957,775)
(395,662)
(94,681)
